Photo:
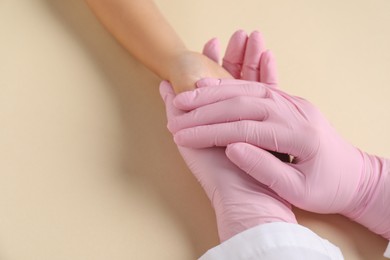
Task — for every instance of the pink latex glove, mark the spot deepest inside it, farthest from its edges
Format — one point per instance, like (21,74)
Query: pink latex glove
(240,202)
(327,174)
(245,57)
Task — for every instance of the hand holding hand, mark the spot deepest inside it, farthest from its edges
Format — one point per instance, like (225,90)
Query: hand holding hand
(239,201)
(245,58)
(188,67)
(327,174)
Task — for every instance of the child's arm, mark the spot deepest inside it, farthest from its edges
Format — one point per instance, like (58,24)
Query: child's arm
(140,27)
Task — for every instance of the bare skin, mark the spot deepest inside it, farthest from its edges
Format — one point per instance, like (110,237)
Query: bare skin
(141,28)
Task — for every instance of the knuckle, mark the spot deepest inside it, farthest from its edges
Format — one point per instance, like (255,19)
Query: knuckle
(251,67)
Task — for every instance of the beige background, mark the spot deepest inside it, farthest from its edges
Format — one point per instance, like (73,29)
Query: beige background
(87,167)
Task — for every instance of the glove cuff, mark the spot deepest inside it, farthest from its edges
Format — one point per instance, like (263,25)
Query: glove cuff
(372,208)
(235,216)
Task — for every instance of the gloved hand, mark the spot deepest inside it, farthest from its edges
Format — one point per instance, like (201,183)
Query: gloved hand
(240,202)
(242,61)
(326,175)
(245,57)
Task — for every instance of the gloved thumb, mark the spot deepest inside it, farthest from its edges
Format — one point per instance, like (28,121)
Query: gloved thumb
(207,82)
(286,181)
(167,94)
(212,49)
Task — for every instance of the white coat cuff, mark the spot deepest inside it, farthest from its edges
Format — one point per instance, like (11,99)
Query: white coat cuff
(272,241)
(387,252)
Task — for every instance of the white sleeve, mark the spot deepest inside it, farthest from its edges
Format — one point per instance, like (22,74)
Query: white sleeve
(387,252)
(275,241)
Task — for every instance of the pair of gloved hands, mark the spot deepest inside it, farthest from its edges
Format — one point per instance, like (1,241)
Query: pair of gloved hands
(226,127)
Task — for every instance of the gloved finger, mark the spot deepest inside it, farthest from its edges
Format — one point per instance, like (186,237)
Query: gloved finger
(203,96)
(285,180)
(267,135)
(268,72)
(234,55)
(251,64)
(212,49)
(167,94)
(207,82)
(245,108)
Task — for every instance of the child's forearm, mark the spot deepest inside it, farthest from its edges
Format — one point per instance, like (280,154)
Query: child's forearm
(140,27)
